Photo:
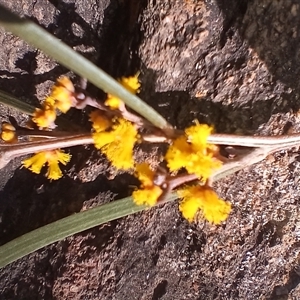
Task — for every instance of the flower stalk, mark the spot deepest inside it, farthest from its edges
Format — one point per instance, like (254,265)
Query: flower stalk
(264,144)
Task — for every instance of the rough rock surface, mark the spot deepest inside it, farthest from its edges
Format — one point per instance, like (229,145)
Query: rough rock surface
(234,64)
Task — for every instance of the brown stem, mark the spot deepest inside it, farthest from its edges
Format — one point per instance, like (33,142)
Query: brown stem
(176,181)
(173,182)
(11,151)
(254,141)
(42,133)
(235,140)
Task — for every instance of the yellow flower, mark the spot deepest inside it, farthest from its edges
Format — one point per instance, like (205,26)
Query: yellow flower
(189,207)
(49,101)
(61,98)
(52,158)
(147,196)
(103,138)
(45,117)
(214,209)
(65,82)
(177,153)
(113,102)
(36,162)
(192,152)
(100,121)
(118,143)
(149,193)
(131,84)
(8,133)
(197,135)
(63,94)
(144,174)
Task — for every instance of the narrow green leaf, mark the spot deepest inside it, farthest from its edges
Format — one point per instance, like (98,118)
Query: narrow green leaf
(15,103)
(68,226)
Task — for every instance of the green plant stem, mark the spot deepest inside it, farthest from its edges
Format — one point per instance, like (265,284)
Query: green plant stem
(55,48)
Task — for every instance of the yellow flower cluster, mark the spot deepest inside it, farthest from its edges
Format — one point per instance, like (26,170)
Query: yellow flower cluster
(192,152)
(63,94)
(195,198)
(52,158)
(131,84)
(116,138)
(99,121)
(149,193)
(61,97)
(44,117)
(117,143)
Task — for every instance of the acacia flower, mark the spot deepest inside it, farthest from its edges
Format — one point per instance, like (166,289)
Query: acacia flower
(52,158)
(99,121)
(63,94)
(8,133)
(131,84)
(118,143)
(192,152)
(45,116)
(148,193)
(147,196)
(61,97)
(113,102)
(195,198)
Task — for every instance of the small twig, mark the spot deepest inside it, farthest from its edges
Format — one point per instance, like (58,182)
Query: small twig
(256,155)
(234,140)
(42,133)
(285,141)
(83,99)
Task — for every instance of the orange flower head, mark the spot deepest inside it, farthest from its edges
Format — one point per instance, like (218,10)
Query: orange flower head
(195,198)
(65,82)
(118,143)
(63,94)
(52,158)
(131,84)
(100,121)
(144,174)
(149,193)
(113,102)
(147,196)
(45,117)
(192,152)
(8,133)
